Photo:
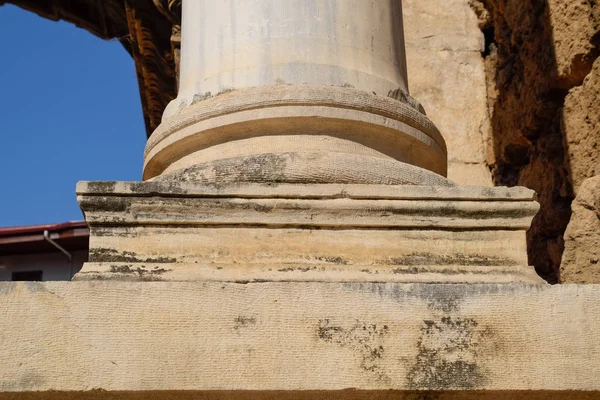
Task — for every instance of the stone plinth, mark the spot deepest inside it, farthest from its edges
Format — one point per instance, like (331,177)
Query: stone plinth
(282,232)
(299,336)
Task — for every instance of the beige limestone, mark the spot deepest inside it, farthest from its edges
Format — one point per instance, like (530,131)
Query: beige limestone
(348,394)
(581,258)
(281,232)
(297,336)
(581,128)
(236,44)
(369,122)
(538,51)
(447,75)
(575,27)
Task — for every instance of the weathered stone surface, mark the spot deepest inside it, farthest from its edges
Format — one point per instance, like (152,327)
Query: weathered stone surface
(448,25)
(575,31)
(536,52)
(348,394)
(450,93)
(276,232)
(237,44)
(581,128)
(310,69)
(297,336)
(581,259)
(447,76)
(231,131)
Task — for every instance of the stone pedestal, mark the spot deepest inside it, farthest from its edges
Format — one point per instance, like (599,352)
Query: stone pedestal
(154,231)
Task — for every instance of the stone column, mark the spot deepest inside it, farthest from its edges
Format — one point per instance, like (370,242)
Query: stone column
(296,91)
(295,154)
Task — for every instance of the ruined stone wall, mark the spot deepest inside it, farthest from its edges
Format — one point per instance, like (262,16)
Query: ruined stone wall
(543,79)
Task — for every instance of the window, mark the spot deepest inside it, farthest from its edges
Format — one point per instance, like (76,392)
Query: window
(27,276)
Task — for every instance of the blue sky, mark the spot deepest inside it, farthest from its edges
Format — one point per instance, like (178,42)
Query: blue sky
(69,110)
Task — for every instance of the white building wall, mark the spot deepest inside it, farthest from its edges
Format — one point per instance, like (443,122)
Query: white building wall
(55,266)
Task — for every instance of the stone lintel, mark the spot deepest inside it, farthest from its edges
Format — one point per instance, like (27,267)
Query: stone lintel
(260,232)
(303,336)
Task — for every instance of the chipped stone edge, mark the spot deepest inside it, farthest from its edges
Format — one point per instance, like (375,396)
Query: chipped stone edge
(306,191)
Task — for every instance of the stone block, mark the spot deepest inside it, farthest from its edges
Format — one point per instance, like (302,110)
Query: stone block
(299,336)
(259,232)
(581,128)
(441,25)
(581,258)
(447,75)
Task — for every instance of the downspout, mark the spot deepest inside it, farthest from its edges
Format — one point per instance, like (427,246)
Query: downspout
(62,249)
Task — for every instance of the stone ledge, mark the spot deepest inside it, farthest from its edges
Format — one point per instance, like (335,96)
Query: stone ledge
(304,395)
(308,191)
(325,270)
(130,336)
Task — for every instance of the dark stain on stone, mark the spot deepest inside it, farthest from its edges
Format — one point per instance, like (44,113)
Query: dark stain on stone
(101,186)
(159,189)
(404,97)
(224,91)
(423,258)
(201,97)
(447,356)
(300,269)
(444,297)
(29,381)
(260,168)
(111,255)
(257,168)
(423,395)
(252,206)
(183,104)
(33,287)
(139,271)
(448,298)
(447,271)
(243,322)
(104,203)
(366,339)
(7,287)
(334,260)
(456,212)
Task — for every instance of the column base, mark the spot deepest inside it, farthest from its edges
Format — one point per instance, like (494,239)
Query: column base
(174,231)
(298,134)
